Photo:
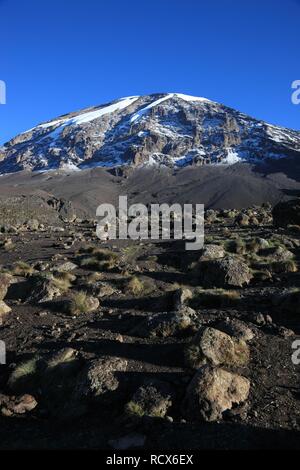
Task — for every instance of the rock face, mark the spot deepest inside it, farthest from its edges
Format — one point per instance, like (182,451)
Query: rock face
(213,391)
(226,272)
(287,213)
(163,129)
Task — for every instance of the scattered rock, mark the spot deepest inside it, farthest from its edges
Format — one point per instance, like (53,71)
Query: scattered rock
(236,328)
(5,281)
(166,324)
(41,288)
(211,346)
(10,406)
(181,296)
(65,267)
(210,252)
(213,391)
(32,225)
(99,378)
(242,220)
(79,303)
(226,272)
(4,310)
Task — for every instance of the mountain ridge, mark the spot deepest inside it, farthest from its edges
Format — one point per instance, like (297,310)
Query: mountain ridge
(166,129)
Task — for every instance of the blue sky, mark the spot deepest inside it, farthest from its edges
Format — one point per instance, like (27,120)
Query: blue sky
(62,55)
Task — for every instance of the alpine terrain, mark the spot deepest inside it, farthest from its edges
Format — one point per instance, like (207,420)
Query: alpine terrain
(171,130)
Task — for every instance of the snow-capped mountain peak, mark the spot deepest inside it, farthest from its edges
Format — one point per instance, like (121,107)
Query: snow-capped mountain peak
(170,129)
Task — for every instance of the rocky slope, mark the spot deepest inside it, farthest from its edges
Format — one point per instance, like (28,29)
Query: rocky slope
(126,345)
(162,129)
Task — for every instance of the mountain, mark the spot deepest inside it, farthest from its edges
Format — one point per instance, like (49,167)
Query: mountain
(171,130)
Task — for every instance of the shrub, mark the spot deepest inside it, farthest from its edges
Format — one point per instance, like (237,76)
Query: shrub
(135,286)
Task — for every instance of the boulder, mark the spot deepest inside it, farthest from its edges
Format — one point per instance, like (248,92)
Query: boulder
(281,254)
(166,324)
(4,310)
(32,225)
(237,329)
(211,346)
(213,391)
(243,220)
(64,267)
(225,272)
(79,303)
(11,406)
(41,288)
(212,252)
(5,281)
(181,296)
(98,379)
(67,212)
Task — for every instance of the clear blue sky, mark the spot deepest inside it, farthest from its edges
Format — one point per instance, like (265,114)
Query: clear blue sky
(62,55)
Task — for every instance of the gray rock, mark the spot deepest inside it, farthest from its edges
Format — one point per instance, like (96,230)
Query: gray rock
(5,281)
(213,391)
(10,406)
(226,272)
(212,252)
(166,324)
(32,225)
(99,378)
(236,328)
(65,267)
(4,310)
(41,288)
(211,346)
(67,212)
(181,296)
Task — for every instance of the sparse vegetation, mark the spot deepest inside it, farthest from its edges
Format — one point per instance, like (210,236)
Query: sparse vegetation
(23,375)
(64,281)
(134,409)
(99,259)
(135,286)
(80,303)
(22,269)
(215,298)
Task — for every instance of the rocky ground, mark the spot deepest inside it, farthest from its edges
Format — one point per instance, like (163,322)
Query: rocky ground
(144,345)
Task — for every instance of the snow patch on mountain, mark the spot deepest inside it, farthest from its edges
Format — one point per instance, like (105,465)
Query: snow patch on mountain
(85,117)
